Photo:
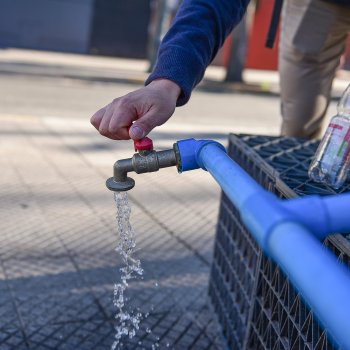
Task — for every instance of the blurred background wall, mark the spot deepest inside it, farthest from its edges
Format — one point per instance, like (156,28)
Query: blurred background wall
(60,25)
(127,28)
(107,27)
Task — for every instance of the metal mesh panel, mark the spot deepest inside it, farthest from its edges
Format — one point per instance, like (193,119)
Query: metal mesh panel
(236,257)
(256,305)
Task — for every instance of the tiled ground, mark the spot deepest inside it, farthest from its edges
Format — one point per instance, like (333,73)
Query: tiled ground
(58,263)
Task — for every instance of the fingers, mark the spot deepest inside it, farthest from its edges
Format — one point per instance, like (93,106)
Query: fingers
(144,125)
(97,117)
(112,121)
(104,125)
(99,120)
(121,119)
(147,107)
(136,132)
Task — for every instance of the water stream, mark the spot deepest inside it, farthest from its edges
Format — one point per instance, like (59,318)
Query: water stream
(127,321)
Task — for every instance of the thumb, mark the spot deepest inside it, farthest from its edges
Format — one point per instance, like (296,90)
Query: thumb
(143,126)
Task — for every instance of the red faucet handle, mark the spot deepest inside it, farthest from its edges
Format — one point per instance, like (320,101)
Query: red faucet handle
(145,144)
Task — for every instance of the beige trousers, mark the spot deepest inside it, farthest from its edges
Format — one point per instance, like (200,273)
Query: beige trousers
(313,38)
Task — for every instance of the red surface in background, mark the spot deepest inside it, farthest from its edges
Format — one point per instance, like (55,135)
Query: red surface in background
(258,56)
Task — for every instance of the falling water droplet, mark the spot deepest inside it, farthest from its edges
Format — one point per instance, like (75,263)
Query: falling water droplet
(128,322)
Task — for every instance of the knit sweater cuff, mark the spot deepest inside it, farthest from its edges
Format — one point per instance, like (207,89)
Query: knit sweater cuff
(180,66)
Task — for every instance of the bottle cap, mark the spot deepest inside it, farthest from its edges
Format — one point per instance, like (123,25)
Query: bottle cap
(144,144)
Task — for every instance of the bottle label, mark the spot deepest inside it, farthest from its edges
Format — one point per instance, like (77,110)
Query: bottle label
(337,148)
(335,126)
(344,145)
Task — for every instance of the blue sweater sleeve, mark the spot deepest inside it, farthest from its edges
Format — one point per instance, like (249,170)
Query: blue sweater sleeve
(199,30)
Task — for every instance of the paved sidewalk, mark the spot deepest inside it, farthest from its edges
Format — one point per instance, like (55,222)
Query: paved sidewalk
(58,264)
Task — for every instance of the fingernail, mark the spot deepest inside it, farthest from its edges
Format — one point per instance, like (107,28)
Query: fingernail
(137,132)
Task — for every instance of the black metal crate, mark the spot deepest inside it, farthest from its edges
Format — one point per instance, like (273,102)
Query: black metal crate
(256,305)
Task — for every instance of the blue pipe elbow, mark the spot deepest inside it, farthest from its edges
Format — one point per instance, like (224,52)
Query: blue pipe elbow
(189,150)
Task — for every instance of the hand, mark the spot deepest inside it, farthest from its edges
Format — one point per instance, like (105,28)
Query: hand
(147,107)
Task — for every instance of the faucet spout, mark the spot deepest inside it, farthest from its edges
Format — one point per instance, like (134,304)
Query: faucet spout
(145,161)
(120,181)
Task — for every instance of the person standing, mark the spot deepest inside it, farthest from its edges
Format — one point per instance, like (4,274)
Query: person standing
(313,38)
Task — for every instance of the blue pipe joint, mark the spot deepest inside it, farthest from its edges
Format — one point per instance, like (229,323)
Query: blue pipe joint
(261,214)
(189,151)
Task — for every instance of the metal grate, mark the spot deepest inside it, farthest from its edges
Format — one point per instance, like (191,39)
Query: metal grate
(256,305)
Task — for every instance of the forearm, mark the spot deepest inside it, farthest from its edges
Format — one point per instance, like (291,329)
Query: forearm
(199,30)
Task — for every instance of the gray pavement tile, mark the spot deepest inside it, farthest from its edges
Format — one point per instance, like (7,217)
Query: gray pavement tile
(72,336)
(12,338)
(45,270)
(45,308)
(168,330)
(8,313)
(3,283)
(175,335)
(50,290)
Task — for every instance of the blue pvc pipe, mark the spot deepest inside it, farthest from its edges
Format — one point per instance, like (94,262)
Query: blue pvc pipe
(283,232)
(321,280)
(338,210)
(321,215)
(248,196)
(189,150)
(193,156)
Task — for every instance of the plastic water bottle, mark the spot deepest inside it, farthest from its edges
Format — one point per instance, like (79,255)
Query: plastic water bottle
(331,162)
